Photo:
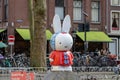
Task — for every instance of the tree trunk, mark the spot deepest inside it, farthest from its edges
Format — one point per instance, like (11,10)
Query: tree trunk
(38,33)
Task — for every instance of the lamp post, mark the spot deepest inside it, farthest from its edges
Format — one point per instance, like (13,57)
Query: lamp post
(85,34)
(74,38)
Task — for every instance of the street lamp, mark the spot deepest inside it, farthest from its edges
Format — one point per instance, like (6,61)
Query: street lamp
(85,29)
(74,38)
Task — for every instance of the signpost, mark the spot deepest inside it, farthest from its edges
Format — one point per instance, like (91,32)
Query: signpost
(11,39)
(22,75)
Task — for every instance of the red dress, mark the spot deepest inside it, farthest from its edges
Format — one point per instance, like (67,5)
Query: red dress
(61,58)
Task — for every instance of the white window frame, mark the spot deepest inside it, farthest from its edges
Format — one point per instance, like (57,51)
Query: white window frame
(116,46)
(114,31)
(59,10)
(77,17)
(115,3)
(98,15)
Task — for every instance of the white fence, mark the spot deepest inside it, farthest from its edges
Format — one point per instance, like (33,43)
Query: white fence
(81,73)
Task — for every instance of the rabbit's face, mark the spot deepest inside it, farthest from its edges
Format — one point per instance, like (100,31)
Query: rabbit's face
(61,41)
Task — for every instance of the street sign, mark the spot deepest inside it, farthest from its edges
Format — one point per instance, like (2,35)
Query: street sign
(22,75)
(11,39)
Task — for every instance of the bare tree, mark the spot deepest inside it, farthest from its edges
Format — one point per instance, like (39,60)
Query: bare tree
(37,9)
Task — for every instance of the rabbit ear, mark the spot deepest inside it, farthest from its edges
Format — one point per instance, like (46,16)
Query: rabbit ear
(66,24)
(56,24)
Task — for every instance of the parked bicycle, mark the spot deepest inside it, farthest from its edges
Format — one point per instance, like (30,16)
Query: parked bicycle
(93,60)
(19,60)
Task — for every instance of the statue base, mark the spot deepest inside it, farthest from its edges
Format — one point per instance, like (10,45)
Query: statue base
(60,75)
(61,68)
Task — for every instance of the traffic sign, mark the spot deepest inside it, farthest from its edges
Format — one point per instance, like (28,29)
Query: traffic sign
(11,39)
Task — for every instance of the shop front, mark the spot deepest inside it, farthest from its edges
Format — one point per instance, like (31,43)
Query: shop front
(95,40)
(22,42)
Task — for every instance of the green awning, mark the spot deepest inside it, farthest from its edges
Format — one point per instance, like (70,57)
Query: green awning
(48,34)
(94,36)
(25,33)
(1,30)
(2,45)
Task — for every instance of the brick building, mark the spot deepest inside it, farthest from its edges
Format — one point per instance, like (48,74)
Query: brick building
(82,11)
(113,25)
(96,13)
(14,16)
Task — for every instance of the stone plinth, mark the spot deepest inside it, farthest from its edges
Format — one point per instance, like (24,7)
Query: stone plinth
(60,75)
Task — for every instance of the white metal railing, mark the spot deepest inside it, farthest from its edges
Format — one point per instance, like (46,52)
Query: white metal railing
(82,73)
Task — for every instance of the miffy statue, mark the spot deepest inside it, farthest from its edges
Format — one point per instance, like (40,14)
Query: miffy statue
(61,58)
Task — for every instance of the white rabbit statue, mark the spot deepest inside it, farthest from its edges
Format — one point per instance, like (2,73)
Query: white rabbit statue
(61,58)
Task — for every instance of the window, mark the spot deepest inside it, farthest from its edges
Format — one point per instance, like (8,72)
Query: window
(113,47)
(77,10)
(115,2)
(115,20)
(95,10)
(5,10)
(59,8)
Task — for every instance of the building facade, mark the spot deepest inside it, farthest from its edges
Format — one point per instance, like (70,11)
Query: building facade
(14,15)
(81,11)
(96,13)
(113,22)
